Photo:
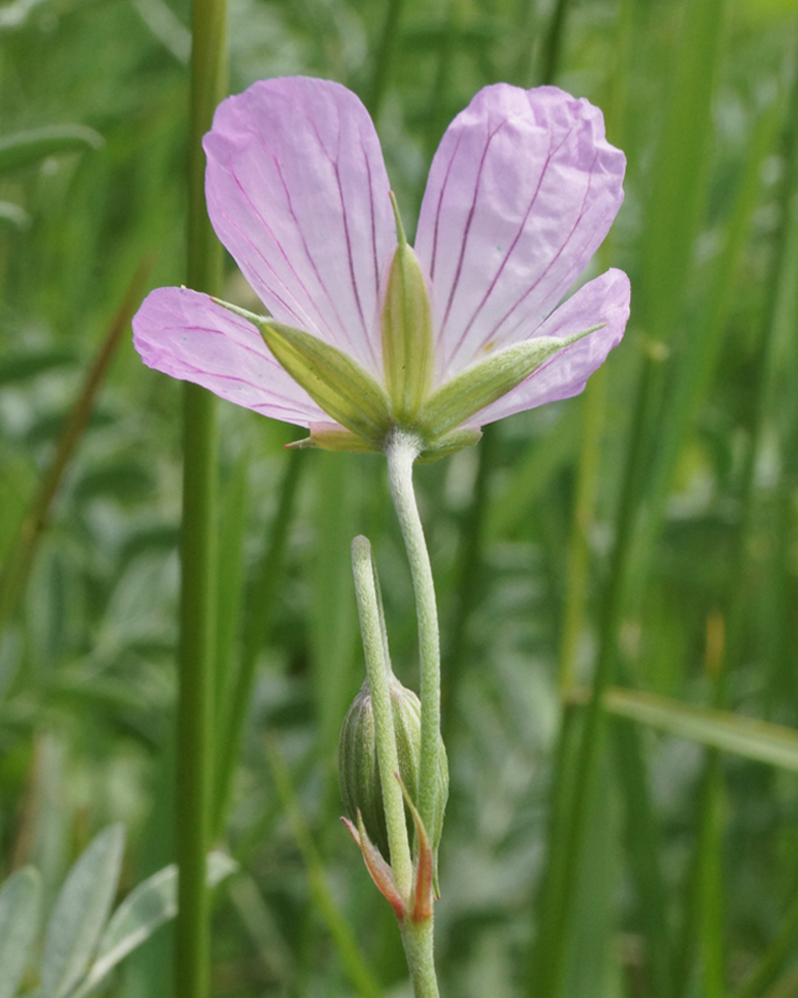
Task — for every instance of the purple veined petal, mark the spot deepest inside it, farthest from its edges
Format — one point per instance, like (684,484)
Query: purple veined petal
(298,193)
(187,335)
(605,299)
(522,191)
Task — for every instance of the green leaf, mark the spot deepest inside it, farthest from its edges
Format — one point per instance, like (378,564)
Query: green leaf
(20,896)
(23,148)
(758,740)
(151,904)
(80,913)
(479,385)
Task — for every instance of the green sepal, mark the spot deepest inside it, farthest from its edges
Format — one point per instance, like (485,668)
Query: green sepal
(407,343)
(334,438)
(332,378)
(449,444)
(485,382)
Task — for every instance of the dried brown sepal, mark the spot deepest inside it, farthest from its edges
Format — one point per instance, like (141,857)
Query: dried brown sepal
(423,891)
(378,868)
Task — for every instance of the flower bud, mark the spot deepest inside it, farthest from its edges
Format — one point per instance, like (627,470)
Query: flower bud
(358,766)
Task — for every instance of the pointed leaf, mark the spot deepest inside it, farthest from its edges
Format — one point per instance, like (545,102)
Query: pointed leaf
(151,904)
(80,912)
(758,740)
(20,896)
(22,148)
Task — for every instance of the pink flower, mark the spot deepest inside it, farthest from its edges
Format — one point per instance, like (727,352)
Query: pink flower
(522,191)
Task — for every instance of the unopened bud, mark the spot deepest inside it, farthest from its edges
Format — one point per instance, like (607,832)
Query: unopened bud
(358,766)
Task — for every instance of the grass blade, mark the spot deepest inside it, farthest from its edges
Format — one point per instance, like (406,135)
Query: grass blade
(760,741)
(23,148)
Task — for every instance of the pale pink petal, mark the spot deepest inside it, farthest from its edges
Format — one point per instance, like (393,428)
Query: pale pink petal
(188,336)
(606,299)
(298,193)
(522,191)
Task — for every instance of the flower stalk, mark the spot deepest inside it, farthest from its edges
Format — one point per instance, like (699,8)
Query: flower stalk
(401,451)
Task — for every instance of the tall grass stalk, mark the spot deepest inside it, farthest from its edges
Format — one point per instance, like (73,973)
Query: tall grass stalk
(197,545)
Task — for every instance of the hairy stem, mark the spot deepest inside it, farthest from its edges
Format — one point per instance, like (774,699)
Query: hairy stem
(401,451)
(417,938)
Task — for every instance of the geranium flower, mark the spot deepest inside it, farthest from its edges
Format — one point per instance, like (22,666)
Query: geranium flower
(364,334)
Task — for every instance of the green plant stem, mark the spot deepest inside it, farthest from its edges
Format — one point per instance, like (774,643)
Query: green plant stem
(383,57)
(379,673)
(401,451)
(554,40)
(197,547)
(470,556)
(417,939)
(593,417)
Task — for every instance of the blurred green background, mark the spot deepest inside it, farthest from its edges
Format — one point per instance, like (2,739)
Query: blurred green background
(644,535)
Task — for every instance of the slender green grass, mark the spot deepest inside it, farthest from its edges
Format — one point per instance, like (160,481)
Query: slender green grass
(198,594)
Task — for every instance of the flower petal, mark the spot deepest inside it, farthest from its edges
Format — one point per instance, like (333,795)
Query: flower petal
(522,191)
(606,299)
(189,336)
(298,193)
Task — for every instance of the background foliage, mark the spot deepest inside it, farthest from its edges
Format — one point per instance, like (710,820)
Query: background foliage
(644,535)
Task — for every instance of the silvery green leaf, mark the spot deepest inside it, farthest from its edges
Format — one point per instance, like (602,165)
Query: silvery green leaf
(80,913)
(20,896)
(149,905)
